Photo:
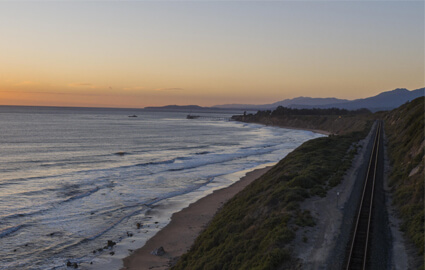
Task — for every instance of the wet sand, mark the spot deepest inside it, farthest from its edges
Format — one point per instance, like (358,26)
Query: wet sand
(323,132)
(178,236)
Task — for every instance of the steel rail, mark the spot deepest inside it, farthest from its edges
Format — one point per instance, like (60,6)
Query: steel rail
(357,257)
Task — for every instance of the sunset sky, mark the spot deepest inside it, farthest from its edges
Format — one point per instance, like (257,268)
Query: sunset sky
(152,53)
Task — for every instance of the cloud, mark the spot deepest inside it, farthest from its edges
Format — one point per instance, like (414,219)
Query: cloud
(26,83)
(135,88)
(169,89)
(55,93)
(83,85)
(139,88)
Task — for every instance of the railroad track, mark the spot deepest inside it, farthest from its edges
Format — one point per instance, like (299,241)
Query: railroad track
(358,255)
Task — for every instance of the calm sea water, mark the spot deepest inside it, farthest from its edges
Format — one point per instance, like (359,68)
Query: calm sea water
(71,179)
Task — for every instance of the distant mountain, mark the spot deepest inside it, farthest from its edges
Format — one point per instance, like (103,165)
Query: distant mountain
(304,101)
(177,108)
(241,106)
(383,101)
(193,108)
(308,101)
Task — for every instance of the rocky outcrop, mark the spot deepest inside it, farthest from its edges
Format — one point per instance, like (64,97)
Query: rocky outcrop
(158,251)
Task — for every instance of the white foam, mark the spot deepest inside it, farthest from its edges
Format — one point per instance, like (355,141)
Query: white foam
(162,213)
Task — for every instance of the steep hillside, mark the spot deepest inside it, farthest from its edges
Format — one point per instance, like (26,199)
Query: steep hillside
(254,230)
(405,132)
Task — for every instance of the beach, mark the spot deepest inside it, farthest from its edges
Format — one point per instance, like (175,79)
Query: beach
(178,236)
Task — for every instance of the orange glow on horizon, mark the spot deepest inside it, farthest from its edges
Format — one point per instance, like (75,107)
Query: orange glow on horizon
(138,54)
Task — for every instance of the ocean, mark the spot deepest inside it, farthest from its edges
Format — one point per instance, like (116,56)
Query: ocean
(73,178)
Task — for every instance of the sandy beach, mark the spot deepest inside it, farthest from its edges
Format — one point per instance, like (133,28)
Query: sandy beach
(178,236)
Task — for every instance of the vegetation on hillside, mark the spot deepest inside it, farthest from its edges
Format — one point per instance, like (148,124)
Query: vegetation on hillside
(405,132)
(254,229)
(336,121)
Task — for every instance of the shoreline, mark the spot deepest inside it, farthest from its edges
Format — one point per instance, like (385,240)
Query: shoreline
(185,225)
(319,131)
(323,132)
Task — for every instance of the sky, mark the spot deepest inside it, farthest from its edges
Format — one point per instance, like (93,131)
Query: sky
(153,53)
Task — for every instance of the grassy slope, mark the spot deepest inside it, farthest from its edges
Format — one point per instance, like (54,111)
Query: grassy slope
(254,229)
(405,131)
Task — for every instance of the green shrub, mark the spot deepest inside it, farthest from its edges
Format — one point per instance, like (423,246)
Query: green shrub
(304,219)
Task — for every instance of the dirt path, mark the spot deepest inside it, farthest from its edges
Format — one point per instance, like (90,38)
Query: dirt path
(315,246)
